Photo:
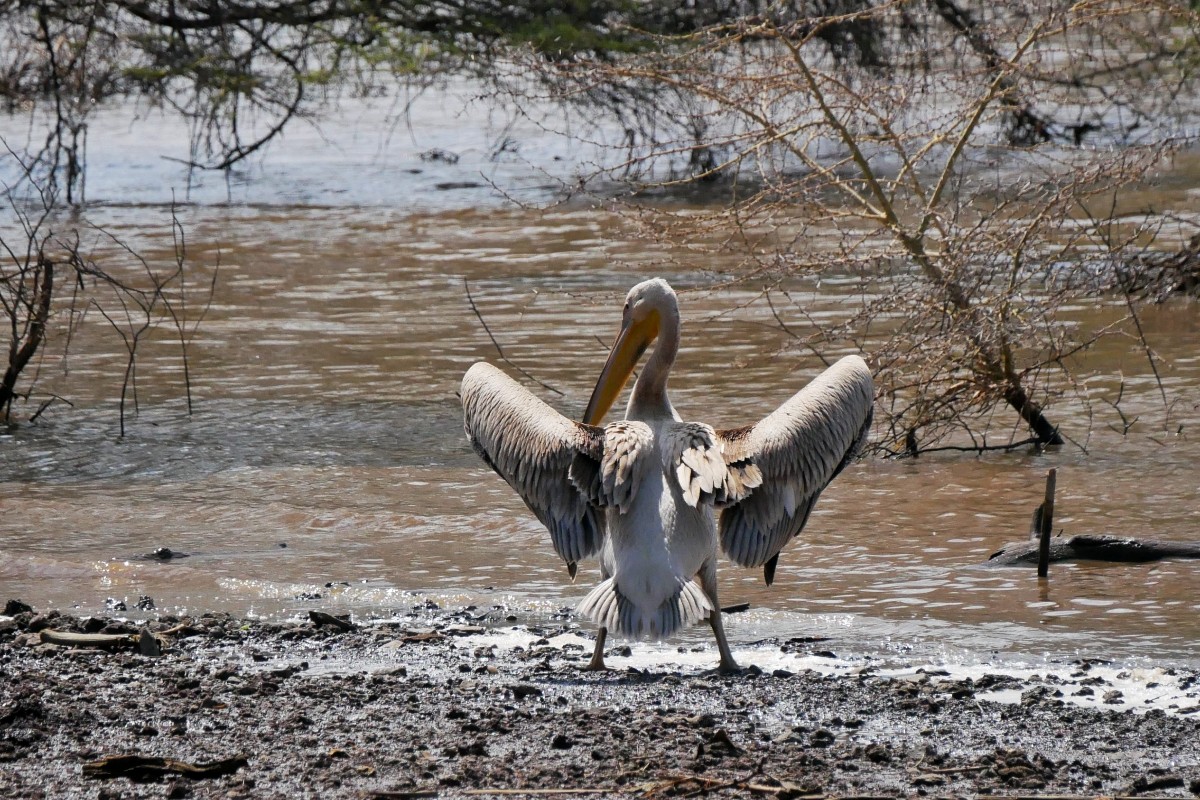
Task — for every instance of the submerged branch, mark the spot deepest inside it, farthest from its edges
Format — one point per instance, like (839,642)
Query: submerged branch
(1095,547)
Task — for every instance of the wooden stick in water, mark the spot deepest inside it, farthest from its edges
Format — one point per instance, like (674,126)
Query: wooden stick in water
(1047,525)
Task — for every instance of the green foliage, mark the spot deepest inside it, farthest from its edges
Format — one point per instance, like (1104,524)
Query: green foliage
(562,38)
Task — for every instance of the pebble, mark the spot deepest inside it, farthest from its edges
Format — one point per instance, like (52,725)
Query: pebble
(149,644)
(42,621)
(15,606)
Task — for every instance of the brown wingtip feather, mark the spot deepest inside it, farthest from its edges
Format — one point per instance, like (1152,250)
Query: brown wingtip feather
(736,434)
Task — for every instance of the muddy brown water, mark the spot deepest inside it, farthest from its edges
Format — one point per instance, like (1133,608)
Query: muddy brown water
(326,455)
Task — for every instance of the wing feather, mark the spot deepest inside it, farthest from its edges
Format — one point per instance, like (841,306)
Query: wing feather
(552,462)
(693,457)
(626,446)
(799,448)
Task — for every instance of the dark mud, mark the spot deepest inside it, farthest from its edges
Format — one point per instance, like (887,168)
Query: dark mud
(401,708)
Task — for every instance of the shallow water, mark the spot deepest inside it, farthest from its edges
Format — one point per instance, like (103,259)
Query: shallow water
(326,456)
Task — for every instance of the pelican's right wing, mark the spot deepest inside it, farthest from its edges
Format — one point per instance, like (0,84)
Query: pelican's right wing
(798,448)
(550,461)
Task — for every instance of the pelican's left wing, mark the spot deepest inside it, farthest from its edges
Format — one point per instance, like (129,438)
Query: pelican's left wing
(799,448)
(543,455)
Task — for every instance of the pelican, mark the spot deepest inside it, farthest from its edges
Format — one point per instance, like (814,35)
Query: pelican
(643,493)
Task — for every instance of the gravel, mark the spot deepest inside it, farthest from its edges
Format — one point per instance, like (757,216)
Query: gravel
(426,706)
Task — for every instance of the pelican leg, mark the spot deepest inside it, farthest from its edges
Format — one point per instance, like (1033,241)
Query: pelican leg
(597,662)
(708,582)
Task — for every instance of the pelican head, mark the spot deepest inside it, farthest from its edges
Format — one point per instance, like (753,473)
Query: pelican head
(647,306)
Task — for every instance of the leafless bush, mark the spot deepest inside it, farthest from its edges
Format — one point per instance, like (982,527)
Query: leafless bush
(49,283)
(949,182)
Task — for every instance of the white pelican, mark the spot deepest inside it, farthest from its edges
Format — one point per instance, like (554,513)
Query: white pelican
(643,492)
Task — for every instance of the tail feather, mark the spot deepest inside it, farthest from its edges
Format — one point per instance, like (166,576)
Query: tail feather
(606,606)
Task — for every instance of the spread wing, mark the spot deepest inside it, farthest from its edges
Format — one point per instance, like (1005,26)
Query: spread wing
(799,448)
(552,462)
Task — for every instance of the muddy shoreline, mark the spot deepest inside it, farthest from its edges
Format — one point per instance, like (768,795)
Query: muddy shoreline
(439,703)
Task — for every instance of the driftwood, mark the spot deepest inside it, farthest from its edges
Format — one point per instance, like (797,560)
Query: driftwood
(144,641)
(149,768)
(1095,547)
(104,641)
(1041,549)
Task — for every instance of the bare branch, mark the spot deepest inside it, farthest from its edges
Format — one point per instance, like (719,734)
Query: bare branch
(496,344)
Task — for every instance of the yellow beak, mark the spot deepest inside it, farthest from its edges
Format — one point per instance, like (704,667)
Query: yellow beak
(631,343)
